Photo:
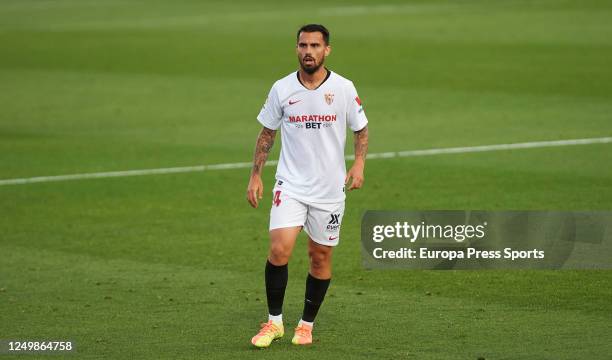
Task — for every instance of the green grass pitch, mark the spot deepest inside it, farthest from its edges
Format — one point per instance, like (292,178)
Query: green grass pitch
(171,266)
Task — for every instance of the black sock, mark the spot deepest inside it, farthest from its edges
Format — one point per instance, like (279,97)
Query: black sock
(315,293)
(276,282)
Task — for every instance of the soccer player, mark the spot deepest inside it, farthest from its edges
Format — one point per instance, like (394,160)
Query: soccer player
(313,107)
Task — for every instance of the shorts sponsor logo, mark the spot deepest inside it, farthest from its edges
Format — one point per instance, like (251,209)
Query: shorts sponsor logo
(334,219)
(334,222)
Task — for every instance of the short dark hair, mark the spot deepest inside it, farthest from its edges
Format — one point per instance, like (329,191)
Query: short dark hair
(315,28)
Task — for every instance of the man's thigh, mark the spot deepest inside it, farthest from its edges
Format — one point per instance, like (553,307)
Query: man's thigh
(286,212)
(287,217)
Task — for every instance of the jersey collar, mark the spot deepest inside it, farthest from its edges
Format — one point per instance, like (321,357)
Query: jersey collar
(297,74)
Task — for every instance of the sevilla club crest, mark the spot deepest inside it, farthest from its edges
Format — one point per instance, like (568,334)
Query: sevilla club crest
(329,98)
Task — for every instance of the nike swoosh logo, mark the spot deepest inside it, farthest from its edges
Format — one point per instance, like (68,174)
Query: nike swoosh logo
(332,238)
(294,102)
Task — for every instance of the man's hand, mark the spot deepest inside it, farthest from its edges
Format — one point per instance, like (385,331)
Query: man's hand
(254,191)
(356,173)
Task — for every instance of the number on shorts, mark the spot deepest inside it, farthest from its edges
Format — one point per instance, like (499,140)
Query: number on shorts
(276,200)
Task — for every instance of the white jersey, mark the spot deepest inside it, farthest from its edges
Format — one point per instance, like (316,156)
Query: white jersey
(311,167)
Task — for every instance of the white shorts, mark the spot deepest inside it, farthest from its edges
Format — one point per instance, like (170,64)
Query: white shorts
(320,221)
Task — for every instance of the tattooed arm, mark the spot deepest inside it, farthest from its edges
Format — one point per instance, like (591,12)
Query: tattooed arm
(361,149)
(265,140)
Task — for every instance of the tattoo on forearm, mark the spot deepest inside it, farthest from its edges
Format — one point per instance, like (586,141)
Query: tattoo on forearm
(361,143)
(265,140)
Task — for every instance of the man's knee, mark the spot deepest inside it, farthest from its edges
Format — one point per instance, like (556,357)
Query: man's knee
(319,259)
(281,245)
(279,253)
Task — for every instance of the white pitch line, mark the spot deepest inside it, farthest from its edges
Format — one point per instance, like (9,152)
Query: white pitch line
(242,165)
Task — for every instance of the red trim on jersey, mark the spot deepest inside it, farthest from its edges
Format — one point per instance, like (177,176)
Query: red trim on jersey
(358,101)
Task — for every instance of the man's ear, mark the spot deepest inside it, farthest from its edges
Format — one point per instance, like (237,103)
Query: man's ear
(327,50)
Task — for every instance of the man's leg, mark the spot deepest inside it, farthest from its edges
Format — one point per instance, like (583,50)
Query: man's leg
(282,241)
(318,278)
(323,229)
(317,282)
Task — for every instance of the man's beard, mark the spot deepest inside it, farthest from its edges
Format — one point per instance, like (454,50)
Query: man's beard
(313,69)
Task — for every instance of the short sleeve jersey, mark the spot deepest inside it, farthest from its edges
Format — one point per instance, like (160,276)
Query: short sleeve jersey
(313,125)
